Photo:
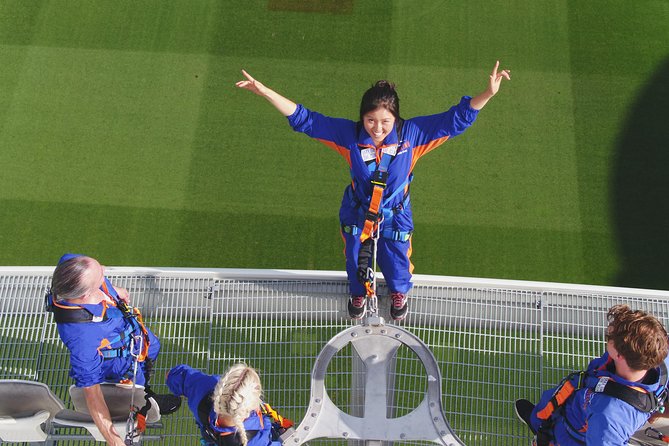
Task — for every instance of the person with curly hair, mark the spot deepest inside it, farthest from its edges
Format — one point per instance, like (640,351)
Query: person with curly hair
(618,392)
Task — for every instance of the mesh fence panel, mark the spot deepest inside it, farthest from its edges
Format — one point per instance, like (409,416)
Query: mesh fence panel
(494,342)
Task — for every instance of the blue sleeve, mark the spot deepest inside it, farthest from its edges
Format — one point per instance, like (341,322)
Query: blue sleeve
(339,131)
(184,380)
(425,129)
(85,360)
(612,422)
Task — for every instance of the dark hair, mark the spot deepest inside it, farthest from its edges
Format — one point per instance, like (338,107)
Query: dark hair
(382,94)
(67,281)
(638,336)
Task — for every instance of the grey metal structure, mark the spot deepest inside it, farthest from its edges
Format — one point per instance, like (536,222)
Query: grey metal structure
(376,347)
(493,341)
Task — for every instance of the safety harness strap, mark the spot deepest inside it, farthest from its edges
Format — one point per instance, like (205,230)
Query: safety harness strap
(277,420)
(388,233)
(379,181)
(123,350)
(70,314)
(400,189)
(76,315)
(646,402)
(563,392)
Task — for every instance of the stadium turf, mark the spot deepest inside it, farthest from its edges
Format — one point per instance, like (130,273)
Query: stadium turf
(123,136)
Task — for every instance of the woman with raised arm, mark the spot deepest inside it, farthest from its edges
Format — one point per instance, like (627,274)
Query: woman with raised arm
(381,150)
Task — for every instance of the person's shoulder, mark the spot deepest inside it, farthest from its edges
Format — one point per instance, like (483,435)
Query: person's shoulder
(612,410)
(613,421)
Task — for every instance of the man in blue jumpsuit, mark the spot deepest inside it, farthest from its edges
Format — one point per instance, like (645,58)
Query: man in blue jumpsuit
(381,151)
(104,336)
(636,358)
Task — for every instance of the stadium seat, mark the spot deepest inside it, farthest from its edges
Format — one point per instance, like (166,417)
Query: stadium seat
(26,408)
(118,398)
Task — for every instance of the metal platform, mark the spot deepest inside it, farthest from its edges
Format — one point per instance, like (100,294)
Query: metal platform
(493,341)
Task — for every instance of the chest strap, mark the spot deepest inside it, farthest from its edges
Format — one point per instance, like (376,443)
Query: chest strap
(378,180)
(647,402)
(123,350)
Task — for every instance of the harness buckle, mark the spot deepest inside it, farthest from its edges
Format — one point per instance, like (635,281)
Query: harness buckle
(379,178)
(351,229)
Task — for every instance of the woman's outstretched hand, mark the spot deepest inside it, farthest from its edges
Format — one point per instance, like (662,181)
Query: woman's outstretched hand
(253,85)
(285,106)
(496,78)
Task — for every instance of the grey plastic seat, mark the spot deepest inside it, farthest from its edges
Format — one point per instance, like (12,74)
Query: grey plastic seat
(26,408)
(118,398)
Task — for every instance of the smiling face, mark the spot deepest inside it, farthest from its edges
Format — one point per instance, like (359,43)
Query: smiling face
(378,123)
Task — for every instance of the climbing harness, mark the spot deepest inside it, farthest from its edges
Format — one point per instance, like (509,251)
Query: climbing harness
(378,207)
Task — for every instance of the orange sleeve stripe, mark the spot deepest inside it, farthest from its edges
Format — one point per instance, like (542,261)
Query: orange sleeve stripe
(419,151)
(409,252)
(343,151)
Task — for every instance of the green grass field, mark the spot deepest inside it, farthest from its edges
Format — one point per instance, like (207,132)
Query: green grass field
(123,135)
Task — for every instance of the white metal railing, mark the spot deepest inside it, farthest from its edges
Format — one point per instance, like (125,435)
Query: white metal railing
(494,340)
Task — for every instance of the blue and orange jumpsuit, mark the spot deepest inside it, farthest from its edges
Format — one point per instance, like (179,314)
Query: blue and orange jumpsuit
(589,417)
(419,136)
(87,342)
(184,380)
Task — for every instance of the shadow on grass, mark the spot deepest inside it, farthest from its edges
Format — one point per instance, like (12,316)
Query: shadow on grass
(640,190)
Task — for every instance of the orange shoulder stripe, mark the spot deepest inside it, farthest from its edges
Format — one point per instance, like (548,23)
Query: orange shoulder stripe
(419,151)
(343,151)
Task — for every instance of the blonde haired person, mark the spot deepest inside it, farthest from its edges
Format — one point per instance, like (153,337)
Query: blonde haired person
(228,409)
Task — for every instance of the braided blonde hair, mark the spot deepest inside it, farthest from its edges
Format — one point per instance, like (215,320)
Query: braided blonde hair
(236,395)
